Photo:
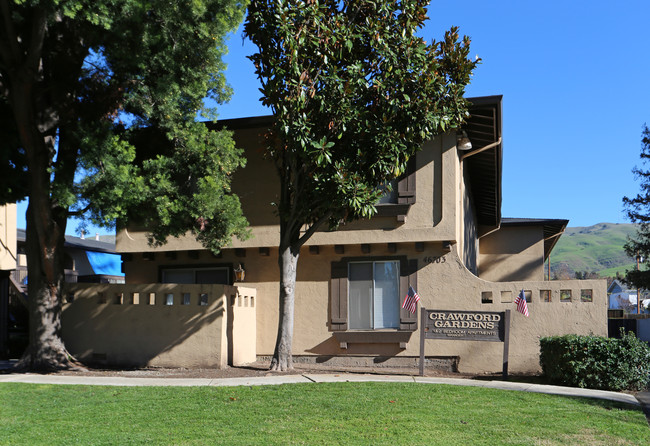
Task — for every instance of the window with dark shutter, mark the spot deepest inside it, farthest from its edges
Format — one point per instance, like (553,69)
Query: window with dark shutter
(339,288)
(339,297)
(406,184)
(400,200)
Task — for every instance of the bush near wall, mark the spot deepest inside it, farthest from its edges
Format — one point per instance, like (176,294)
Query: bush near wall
(596,362)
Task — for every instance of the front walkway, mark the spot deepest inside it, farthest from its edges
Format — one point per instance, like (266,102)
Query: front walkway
(316,378)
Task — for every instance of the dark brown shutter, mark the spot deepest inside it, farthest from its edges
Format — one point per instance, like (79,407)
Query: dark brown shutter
(408,276)
(339,297)
(406,184)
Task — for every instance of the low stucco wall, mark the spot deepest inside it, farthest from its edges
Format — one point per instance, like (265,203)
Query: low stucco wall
(242,327)
(135,325)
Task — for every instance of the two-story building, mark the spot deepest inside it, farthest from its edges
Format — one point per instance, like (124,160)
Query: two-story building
(441,232)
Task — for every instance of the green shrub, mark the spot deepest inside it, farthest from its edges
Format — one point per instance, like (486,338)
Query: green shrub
(596,362)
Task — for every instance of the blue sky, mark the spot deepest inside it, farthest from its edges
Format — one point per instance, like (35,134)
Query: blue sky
(575,97)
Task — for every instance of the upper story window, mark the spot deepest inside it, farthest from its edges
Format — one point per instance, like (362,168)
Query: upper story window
(398,200)
(373,294)
(390,196)
(218,275)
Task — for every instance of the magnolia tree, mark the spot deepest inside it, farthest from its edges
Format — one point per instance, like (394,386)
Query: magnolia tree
(355,93)
(78,79)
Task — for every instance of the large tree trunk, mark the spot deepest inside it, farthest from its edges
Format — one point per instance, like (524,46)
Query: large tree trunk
(45,266)
(288,262)
(37,122)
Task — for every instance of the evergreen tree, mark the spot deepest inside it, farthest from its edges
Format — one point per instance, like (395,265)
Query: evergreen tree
(77,79)
(638,211)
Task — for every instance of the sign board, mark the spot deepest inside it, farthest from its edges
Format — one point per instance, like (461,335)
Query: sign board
(460,325)
(464,325)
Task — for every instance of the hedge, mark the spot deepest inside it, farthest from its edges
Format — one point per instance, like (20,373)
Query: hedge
(596,362)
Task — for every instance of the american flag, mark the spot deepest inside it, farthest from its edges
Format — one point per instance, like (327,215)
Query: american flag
(522,306)
(411,300)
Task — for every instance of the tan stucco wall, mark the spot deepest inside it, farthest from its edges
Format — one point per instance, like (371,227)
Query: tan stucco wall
(242,326)
(8,251)
(446,284)
(108,324)
(433,217)
(512,253)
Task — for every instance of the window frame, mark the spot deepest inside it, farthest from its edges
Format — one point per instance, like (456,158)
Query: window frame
(338,315)
(373,302)
(406,193)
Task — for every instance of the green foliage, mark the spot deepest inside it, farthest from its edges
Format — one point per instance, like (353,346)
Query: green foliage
(596,362)
(638,211)
(105,70)
(323,413)
(191,189)
(355,92)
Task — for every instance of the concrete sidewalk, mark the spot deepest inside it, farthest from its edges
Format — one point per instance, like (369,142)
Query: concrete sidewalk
(643,400)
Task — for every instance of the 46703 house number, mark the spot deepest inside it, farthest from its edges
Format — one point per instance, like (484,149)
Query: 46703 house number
(434,259)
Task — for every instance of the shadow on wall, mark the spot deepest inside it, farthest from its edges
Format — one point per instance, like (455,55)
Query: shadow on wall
(330,347)
(161,325)
(492,269)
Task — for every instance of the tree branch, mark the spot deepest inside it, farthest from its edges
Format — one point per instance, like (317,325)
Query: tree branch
(11,52)
(35,50)
(313,228)
(80,212)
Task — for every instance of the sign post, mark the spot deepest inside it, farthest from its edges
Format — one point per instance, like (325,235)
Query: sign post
(465,326)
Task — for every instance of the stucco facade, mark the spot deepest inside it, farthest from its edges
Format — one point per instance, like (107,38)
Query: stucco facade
(8,251)
(444,236)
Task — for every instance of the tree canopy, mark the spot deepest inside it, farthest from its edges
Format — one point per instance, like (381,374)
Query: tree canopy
(355,92)
(638,211)
(79,80)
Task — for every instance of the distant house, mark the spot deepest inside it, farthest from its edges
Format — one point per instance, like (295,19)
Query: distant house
(622,297)
(89,260)
(441,233)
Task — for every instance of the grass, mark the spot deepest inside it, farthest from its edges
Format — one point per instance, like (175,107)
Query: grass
(337,413)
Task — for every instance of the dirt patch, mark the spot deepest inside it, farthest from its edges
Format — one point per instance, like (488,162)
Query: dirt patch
(252,370)
(261,369)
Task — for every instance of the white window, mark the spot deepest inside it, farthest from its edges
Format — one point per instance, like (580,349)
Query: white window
(373,294)
(196,275)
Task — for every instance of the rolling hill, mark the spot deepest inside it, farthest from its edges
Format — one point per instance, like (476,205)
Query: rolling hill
(597,248)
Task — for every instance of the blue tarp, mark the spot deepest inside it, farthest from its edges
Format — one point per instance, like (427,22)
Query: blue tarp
(105,263)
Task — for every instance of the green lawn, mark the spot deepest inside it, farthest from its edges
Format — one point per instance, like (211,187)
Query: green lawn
(338,413)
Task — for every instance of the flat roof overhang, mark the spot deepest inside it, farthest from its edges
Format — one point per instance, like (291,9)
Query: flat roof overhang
(553,229)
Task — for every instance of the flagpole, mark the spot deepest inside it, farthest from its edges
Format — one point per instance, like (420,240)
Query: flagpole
(423,321)
(506,344)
